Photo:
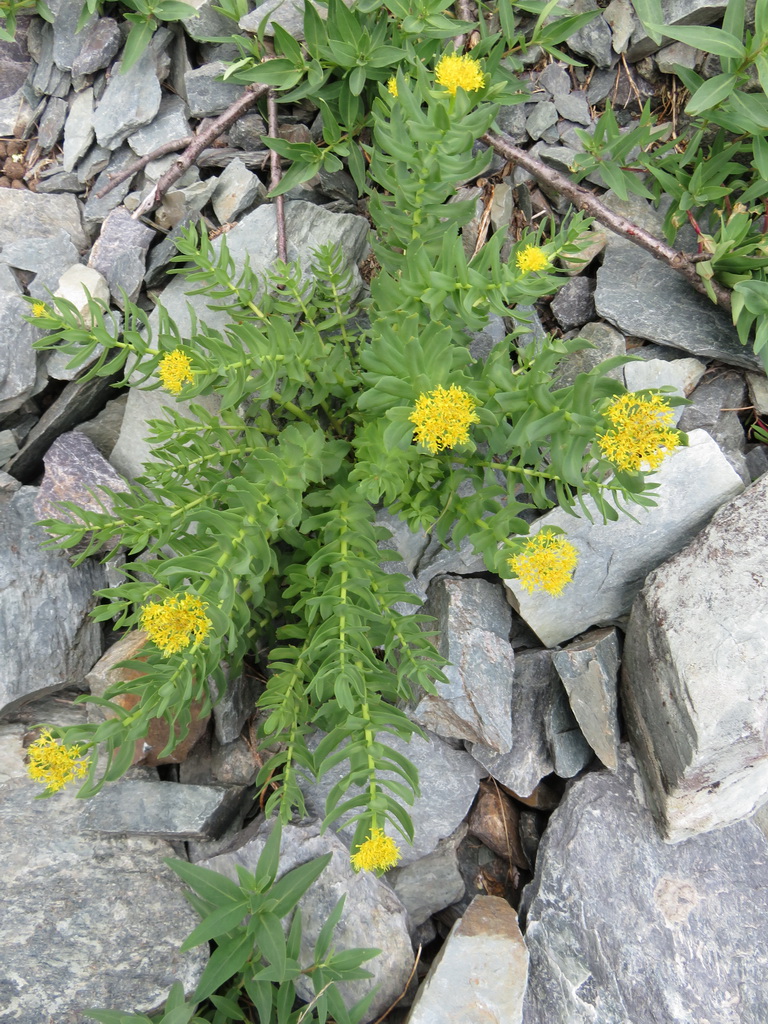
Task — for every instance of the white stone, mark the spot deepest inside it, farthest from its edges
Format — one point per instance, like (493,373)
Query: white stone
(681,374)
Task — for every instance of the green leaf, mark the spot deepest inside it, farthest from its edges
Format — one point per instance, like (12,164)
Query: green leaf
(711,40)
(357,80)
(712,92)
(138,40)
(219,922)
(271,940)
(226,961)
(173,10)
(269,860)
(211,885)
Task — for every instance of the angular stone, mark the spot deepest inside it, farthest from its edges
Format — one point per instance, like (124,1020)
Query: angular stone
(120,252)
(676,13)
(594,39)
(620,16)
(46,635)
(169,123)
(289,14)
(432,883)
(161,810)
(589,669)
(76,472)
(448,780)
(78,134)
(615,558)
(51,124)
(237,189)
(574,106)
(605,342)
(98,45)
(47,258)
(641,297)
(130,100)
(713,408)
(543,116)
(18,360)
(74,285)
(481,971)
(555,79)
(97,209)
(207,94)
(372,916)
(237,705)
(758,392)
(473,621)
(8,446)
(495,820)
(619,923)
(681,374)
(61,885)
(702,746)
(25,215)
(574,305)
(677,53)
(67,42)
(570,751)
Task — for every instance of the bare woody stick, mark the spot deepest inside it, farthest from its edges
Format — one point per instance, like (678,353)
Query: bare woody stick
(589,203)
(167,147)
(200,142)
(275,176)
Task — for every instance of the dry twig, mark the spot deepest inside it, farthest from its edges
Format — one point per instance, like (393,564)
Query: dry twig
(589,203)
(391,1006)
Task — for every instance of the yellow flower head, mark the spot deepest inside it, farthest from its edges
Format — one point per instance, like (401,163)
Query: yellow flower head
(39,309)
(532,258)
(459,71)
(378,853)
(392,86)
(54,763)
(443,417)
(640,434)
(172,623)
(546,563)
(175,369)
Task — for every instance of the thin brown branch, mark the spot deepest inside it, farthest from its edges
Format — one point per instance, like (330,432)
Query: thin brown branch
(167,147)
(275,174)
(586,201)
(391,1006)
(199,143)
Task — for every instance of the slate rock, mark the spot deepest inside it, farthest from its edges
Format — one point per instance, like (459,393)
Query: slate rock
(543,116)
(555,79)
(473,621)
(641,297)
(604,343)
(675,13)
(131,99)
(511,121)
(713,408)
(80,925)
(18,360)
(570,751)
(247,132)
(681,374)
(289,14)
(78,134)
(481,971)
(431,883)
(51,124)
(207,94)
(594,39)
(694,693)
(120,252)
(589,669)
(618,923)
(161,810)
(373,917)
(574,106)
(237,189)
(758,392)
(27,215)
(448,779)
(237,704)
(307,227)
(8,446)
(47,637)
(67,42)
(574,305)
(46,258)
(170,122)
(98,45)
(615,558)
(76,472)
(96,209)
(620,16)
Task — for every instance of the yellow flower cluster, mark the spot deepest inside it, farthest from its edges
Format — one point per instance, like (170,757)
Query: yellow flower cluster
(641,434)
(459,71)
(175,370)
(531,258)
(546,563)
(55,764)
(443,417)
(39,309)
(377,853)
(392,86)
(172,623)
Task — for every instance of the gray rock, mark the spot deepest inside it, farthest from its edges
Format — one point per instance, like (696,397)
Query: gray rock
(621,927)
(97,209)
(439,560)
(676,53)
(448,779)
(103,919)
(76,472)
(589,669)
(161,810)
(555,79)
(95,161)
(615,558)
(237,189)
(681,374)
(307,228)
(120,253)
(169,123)
(620,16)
(481,971)
(51,124)
(473,621)
(574,106)
(758,392)
(409,544)
(47,258)
(511,120)
(67,42)
(206,21)
(228,764)
(104,428)
(606,343)
(27,215)
(372,915)
(701,746)
(574,305)
(98,45)
(484,341)
(78,134)
(207,94)
(18,360)
(247,131)
(432,883)
(237,704)
(713,408)
(594,39)
(131,99)
(676,12)
(48,638)
(570,751)
(536,689)
(543,116)
(8,446)
(641,297)
(536,334)
(289,14)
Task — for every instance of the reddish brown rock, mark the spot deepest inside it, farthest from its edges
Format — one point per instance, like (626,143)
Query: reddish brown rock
(495,821)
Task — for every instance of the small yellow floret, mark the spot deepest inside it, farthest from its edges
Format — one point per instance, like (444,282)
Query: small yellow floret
(39,309)
(443,417)
(175,369)
(392,86)
(459,71)
(55,764)
(641,435)
(532,258)
(546,563)
(172,623)
(377,853)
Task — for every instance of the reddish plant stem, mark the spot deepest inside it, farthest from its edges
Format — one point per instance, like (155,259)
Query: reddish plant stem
(275,176)
(584,200)
(200,142)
